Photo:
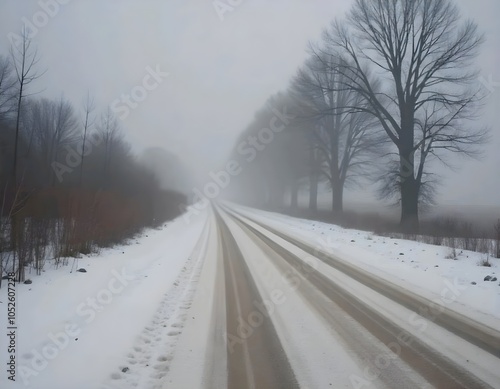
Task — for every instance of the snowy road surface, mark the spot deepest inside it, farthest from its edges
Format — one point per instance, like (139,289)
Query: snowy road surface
(285,314)
(236,298)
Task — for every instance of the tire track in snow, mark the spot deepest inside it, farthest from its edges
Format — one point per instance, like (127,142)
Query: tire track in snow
(258,359)
(434,366)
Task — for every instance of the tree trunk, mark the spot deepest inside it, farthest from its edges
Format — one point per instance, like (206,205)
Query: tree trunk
(409,185)
(337,197)
(337,188)
(14,221)
(409,193)
(337,184)
(313,182)
(313,194)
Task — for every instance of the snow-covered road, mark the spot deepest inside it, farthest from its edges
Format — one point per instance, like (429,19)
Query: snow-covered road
(413,329)
(328,325)
(240,298)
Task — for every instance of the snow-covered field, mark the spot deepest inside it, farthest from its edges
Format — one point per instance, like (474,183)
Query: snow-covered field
(87,330)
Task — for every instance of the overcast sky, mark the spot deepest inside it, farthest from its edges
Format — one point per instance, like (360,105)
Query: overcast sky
(221,69)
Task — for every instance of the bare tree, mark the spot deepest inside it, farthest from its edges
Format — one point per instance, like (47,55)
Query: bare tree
(51,127)
(109,131)
(89,107)
(343,142)
(65,129)
(7,84)
(24,59)
(422,52)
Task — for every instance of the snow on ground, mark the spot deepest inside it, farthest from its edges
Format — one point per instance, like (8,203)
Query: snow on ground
(200,355)
(118,324)
(420,267)
(80,330)
(483,364)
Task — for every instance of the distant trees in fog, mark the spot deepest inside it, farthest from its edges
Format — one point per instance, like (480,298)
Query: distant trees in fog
(273,153)
(401,69)
(344,138)
(69,183)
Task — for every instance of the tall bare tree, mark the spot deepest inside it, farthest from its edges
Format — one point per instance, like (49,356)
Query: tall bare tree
(24,59)
(422,52)
(343,142)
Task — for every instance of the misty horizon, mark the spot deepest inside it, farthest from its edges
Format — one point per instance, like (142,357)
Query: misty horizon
(200,73)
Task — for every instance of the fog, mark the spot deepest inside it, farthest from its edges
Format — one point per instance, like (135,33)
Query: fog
(222,66)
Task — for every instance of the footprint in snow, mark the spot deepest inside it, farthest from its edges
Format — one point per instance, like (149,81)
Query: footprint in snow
(164,358)
(161,366)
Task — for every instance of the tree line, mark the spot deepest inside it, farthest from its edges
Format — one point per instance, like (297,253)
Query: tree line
(388,93)
(69,182)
